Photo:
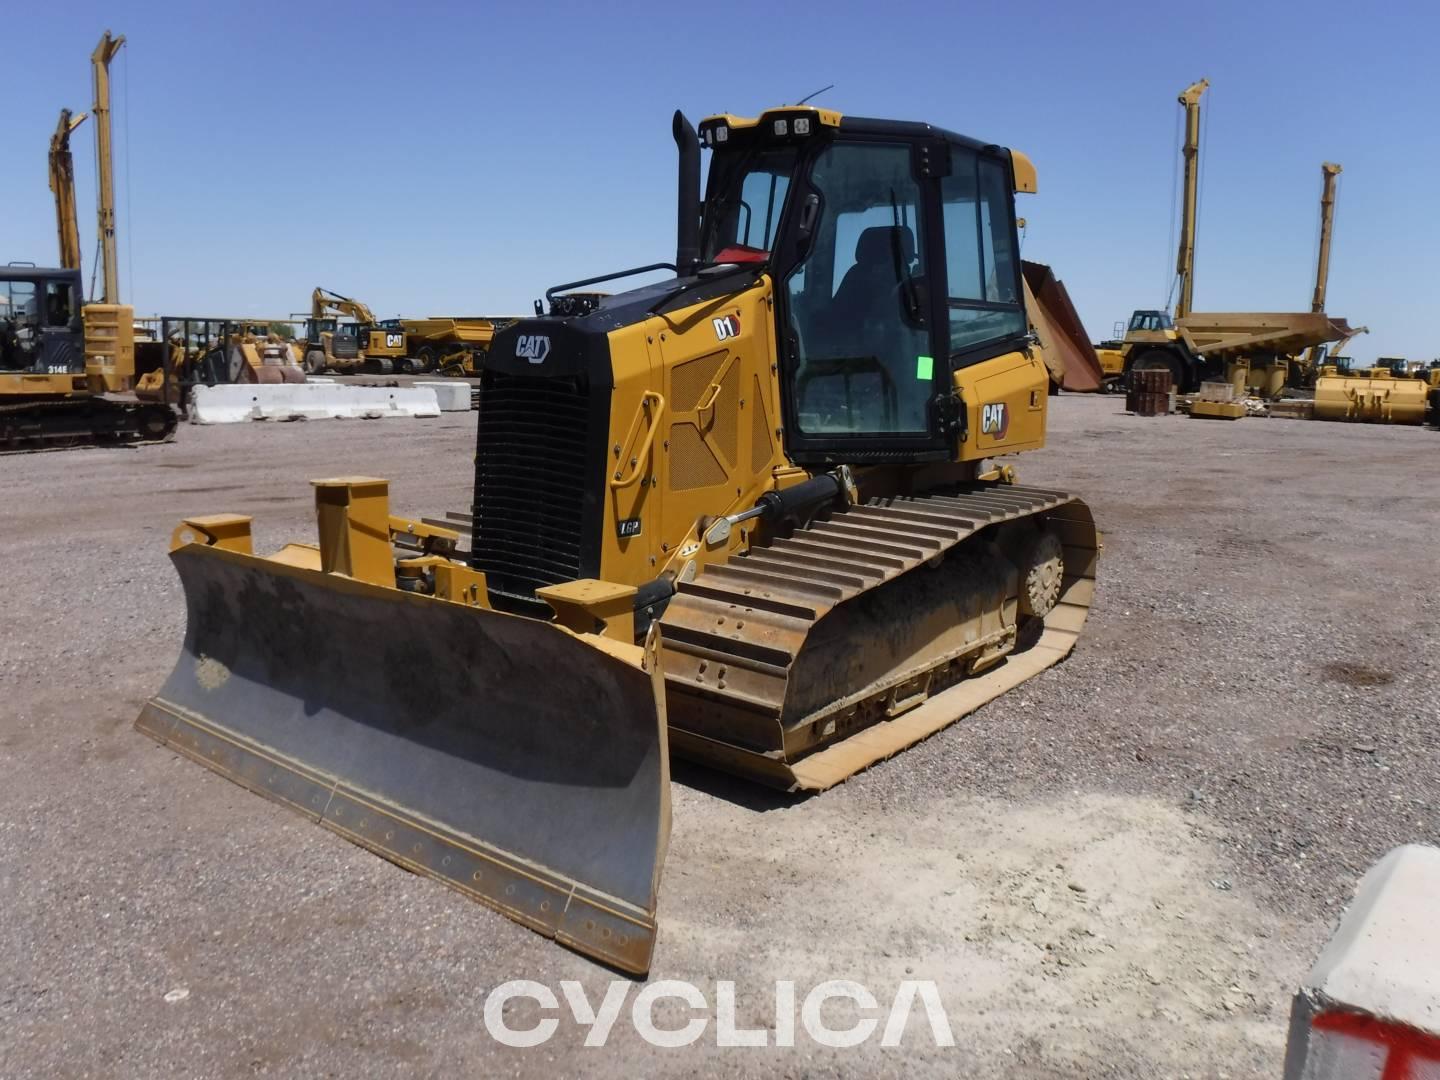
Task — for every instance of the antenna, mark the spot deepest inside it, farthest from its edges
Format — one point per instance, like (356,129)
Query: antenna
(816,94)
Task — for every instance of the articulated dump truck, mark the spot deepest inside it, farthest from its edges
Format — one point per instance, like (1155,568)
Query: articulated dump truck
(746,515)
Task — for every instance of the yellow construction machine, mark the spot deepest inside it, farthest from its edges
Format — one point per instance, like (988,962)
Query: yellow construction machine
(183,352)
(749,514)
(1391,391)
(67,367)
(1075,364)
(1260,352)
(449,344)
(359,343)
(62,186)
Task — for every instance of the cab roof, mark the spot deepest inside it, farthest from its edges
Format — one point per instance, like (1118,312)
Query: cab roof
(781,123)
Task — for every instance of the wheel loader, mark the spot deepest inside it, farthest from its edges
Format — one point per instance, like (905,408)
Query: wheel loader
(746,514)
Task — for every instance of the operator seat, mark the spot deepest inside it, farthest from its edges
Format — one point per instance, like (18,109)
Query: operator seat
(853,363)
(867,291)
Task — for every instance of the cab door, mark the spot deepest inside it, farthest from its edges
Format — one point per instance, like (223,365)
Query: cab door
(859,331)
(1001,381)
(61,332)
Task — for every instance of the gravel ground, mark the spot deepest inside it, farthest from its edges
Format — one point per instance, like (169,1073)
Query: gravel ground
(1120,869)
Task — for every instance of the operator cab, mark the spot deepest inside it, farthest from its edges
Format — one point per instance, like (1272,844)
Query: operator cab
(895,257)
(1153,321)
(41,330)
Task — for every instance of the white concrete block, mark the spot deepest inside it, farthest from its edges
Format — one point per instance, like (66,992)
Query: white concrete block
(1371,1004)
(452,394)
(1335,1054)
(308,401)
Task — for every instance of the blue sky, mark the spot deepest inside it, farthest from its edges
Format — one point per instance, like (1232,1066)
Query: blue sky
(456,159)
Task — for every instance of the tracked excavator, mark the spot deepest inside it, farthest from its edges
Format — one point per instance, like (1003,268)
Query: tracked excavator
(67,367)
(748,514)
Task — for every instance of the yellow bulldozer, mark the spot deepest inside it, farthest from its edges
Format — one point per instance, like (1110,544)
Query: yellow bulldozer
(748,514)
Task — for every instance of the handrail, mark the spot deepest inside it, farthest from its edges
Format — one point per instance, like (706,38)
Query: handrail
(707,399)
(550,292)
(637,463)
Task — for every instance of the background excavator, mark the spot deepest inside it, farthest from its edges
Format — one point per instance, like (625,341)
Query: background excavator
(62,186)
(361,342)
(67,367)
(748,514)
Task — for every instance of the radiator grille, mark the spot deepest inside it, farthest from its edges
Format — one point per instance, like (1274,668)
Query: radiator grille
(530,470)
(344,347)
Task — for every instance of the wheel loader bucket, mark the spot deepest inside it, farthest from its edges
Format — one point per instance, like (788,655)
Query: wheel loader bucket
(505,756)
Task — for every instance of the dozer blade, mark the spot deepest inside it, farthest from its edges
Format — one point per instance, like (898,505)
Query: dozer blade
(502,755)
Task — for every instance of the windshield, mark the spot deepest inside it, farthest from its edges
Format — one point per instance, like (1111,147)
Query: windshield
(1149,320)
(744,200)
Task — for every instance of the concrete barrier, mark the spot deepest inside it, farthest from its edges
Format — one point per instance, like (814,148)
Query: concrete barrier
(1370,1006)
(452,394)
(234,403)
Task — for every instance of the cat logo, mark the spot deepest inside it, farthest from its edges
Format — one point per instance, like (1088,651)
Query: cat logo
(994,419)
(533,347)
(727,326)
(394,341)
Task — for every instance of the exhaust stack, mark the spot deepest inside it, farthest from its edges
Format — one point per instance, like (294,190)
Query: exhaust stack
(687,226)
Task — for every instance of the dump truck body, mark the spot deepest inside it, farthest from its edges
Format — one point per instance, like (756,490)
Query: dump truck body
(1230,336)
(1074,363)
(449,344)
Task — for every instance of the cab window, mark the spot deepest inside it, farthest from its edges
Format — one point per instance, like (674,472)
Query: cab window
(857,305)
(59,304)
(981,264)
(19,324)
(17,302)
(747,193)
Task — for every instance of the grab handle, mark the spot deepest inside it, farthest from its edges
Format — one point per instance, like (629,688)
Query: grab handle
(622,479)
